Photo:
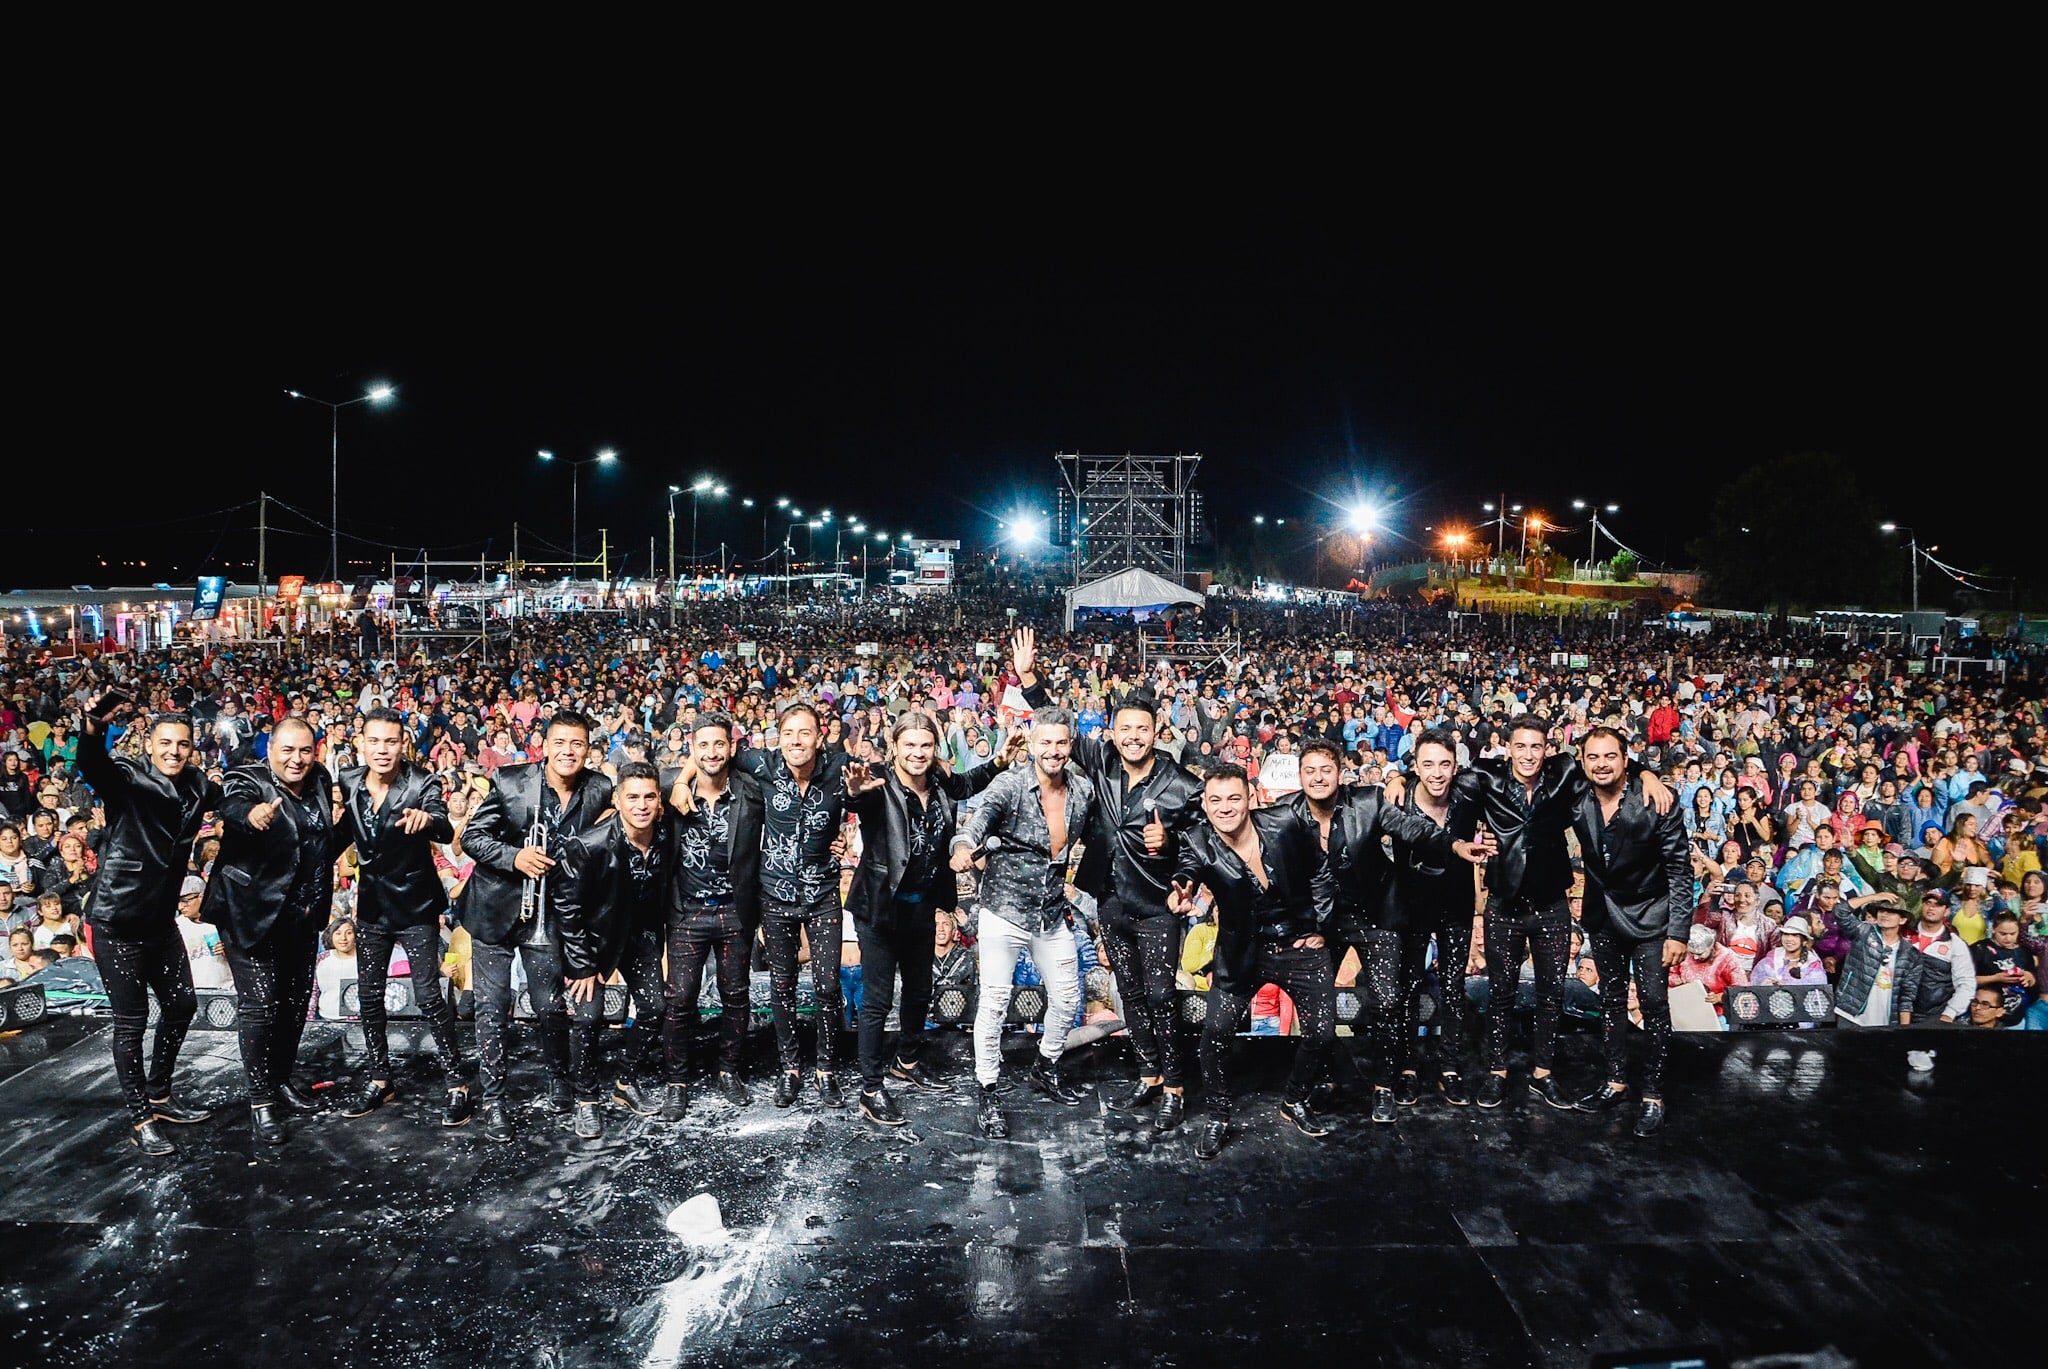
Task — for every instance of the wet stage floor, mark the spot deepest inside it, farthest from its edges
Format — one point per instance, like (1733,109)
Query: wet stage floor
(1808,1190)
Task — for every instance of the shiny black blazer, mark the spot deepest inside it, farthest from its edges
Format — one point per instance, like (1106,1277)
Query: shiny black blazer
(1638,869)
(884,816)
(255,870)
(1294,851)
(497,832)
(151,824)
(591,912)
(398,887)
(1359,860)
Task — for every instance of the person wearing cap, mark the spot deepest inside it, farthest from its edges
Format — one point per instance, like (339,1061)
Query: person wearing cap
(1947,973)
(203,949)
(1880,976)
(1792,960)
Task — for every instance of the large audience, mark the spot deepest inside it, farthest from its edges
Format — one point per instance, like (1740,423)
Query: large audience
(1869,798)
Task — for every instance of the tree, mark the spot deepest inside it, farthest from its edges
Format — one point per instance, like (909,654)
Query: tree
(1623,566)
(1800,531)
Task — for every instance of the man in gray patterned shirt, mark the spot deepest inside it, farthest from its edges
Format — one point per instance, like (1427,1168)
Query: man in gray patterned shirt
(1028,821)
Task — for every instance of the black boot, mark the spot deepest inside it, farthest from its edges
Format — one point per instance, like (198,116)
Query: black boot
(561,1094)
(990,1114)
(878,1107)
(150,1141)
(1651,1117)
(589,1121)
(1408,1090)
(167,1111)
(1210,1139)
(497,1124)
(292,1098)
(1045,1078)
(1172,1108)
(787,1085)
(626,1094)
(458,1108)
(1142,1095)
(828,1091)
(263,1121)
(675,1102)
(734,1091)
(1384,1109)
(1493,1091)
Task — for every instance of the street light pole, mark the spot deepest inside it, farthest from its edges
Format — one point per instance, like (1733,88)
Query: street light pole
(1593,548)
(1912,550)
(673,491)
(603,458)
(377,395)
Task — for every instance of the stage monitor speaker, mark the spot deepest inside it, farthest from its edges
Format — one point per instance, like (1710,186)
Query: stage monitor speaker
(1754,1006)
(22,1005)
(217,1011)
(1027,1003)
(953,1005)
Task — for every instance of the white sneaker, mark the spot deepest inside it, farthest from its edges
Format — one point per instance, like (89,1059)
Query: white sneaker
(1920,1060)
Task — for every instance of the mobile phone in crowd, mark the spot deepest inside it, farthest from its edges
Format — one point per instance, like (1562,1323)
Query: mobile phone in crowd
(108,702)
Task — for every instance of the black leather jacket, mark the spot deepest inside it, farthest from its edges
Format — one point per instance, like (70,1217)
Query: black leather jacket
(1531,865)
(884,815)
(151,823)
(1294,854)
(399,886)
(593,903)
(1358,858)
(498,831)
(255,871)
(1638,869)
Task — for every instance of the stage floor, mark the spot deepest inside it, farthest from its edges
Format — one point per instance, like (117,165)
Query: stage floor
(1807,1190)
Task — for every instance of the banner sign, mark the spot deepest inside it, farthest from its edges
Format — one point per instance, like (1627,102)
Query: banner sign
(207,596)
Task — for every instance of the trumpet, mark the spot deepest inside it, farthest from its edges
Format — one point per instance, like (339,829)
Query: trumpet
(536,889)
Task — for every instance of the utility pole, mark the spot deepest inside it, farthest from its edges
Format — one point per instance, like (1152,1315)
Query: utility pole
(262,558)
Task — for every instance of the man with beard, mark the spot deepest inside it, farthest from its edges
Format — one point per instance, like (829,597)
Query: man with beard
(1527,803)
(1352,822)
(272,886)
(1274,900)
(393,811)
(612,902)
(154,811)
(1033,816)
(1144,802)
(805,802)
(1638,909)
(902,889)
(525,817)
(714,908)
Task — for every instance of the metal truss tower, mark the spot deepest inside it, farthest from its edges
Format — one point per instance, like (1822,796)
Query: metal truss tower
(1119,511)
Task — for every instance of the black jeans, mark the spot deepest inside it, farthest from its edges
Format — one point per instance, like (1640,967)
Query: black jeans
(1144,951)
(1616,955)
(898,940)
(1454,1010)
(640,966)
(696,934)
(491,973)
(373,963)
(1390,969)
(132,971)
(1547,932)
(273,988)
(1305,975)
(780,925)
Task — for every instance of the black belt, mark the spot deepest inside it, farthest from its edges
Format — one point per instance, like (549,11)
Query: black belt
(725,902)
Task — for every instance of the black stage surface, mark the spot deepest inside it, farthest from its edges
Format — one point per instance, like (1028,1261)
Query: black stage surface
(1809,1190)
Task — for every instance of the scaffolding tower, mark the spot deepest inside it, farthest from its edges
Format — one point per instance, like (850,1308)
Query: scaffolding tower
(1122,511)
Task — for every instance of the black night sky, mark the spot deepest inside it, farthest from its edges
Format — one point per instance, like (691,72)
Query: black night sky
(927,388)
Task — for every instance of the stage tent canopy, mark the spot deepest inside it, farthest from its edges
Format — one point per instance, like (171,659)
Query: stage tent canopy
(1132,592)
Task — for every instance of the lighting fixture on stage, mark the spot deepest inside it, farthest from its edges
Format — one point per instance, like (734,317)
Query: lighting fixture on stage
(21,1005)
(952,1006)
(1027,1003)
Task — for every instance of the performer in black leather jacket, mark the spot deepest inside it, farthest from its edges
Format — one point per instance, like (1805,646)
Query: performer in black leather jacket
(1145,802)
(270,896)
(154,811)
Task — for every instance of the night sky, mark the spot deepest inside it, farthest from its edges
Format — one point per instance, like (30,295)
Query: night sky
(928,390)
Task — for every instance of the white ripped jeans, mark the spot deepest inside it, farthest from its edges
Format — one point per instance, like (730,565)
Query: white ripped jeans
(1059,971)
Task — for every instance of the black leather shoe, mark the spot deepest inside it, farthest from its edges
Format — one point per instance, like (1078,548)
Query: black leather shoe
(1408,1090)
(366,1097)
(167,1111)
(497,1124)
(1603,1099)
(1142,1095)
(458,1109)
(1210,1139)
(561,1094)
(1045,1079)
(828,1091)
(589,1122)
(263,1121)
(1384,1108)
(1548,1089)
(1651,1117)
(675,1101)
(1452,1086)
(291,1098)
(627,1094)
(989,1114)
(878,1107)
(1173,1107)
(734,1090)
(150,1141)
(787,1085)
(1493,1091)
(919,1076)
(1303,1119)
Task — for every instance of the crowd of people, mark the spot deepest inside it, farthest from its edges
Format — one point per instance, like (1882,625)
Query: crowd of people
(1542,822)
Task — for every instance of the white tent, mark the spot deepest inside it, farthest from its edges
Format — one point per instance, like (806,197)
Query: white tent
(1133,591)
